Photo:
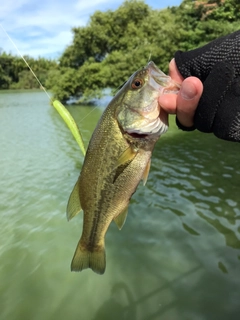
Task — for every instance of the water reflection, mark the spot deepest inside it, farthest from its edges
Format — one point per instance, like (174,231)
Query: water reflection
(120,303)
(177,257)
(158,310)
(222,267)
(230,236)
(194,183)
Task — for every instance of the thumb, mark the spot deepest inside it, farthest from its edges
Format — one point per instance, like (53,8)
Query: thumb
(187,101)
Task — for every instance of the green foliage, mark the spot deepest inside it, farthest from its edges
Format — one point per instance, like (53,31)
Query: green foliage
(203,21)
(14,74)
(106,32)
(64,83)
(5,80)
(227,11)
(114,44)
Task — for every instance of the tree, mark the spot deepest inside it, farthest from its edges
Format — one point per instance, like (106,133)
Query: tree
(114,44)
(14,73)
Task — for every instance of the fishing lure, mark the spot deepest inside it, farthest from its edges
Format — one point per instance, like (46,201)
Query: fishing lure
(68,119)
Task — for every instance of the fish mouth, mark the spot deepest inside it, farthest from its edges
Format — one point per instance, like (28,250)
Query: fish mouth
(155,128)
(146,127)
(160,81)
(157,75)
(137,135)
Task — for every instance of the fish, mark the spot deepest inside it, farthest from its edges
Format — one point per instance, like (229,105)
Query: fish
(118,157)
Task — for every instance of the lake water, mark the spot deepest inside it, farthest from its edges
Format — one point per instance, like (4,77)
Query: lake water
(176,258)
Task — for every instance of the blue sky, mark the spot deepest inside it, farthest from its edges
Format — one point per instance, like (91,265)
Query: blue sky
(43,28)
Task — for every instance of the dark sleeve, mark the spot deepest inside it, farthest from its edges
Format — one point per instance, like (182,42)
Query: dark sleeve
(217,65)
(199,62)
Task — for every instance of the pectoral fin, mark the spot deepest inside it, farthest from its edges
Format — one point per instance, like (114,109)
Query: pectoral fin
(127,156)
(74,205)
(124,160)
(121,218)
(146,172)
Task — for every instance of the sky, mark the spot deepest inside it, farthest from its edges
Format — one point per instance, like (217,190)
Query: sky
(43,28)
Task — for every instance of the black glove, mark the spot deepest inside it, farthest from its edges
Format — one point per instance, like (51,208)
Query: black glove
(217,65)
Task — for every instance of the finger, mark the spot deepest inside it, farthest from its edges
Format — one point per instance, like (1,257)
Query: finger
(174,73)
(187,100)
(168,102)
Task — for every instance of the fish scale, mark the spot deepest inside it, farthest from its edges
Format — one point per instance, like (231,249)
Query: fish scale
(118,157)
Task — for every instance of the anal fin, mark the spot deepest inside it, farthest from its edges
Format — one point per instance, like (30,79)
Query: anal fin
(146,172)
(121,218)
(74,205)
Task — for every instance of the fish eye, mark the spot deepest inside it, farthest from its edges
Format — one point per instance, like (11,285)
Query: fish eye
(137,83)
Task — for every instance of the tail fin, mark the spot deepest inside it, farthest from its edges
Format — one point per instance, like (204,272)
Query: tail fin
(83,259)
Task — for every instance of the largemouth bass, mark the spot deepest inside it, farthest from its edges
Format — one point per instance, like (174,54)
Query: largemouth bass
(117,158)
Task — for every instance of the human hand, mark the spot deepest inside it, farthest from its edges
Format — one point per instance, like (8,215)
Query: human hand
(185,103)
(217,65)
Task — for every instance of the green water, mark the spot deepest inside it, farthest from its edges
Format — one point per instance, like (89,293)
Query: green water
(177,257)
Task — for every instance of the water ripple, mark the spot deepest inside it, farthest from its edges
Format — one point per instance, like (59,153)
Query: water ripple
(178,252)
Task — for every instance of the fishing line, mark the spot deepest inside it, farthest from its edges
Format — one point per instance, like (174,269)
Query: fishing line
(33,73)
(64,113)
(88,113)
(41,86)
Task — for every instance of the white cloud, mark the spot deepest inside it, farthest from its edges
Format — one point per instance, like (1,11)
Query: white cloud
(7,7)
(43,28)
(89,5)
(50,47)
(40,31)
